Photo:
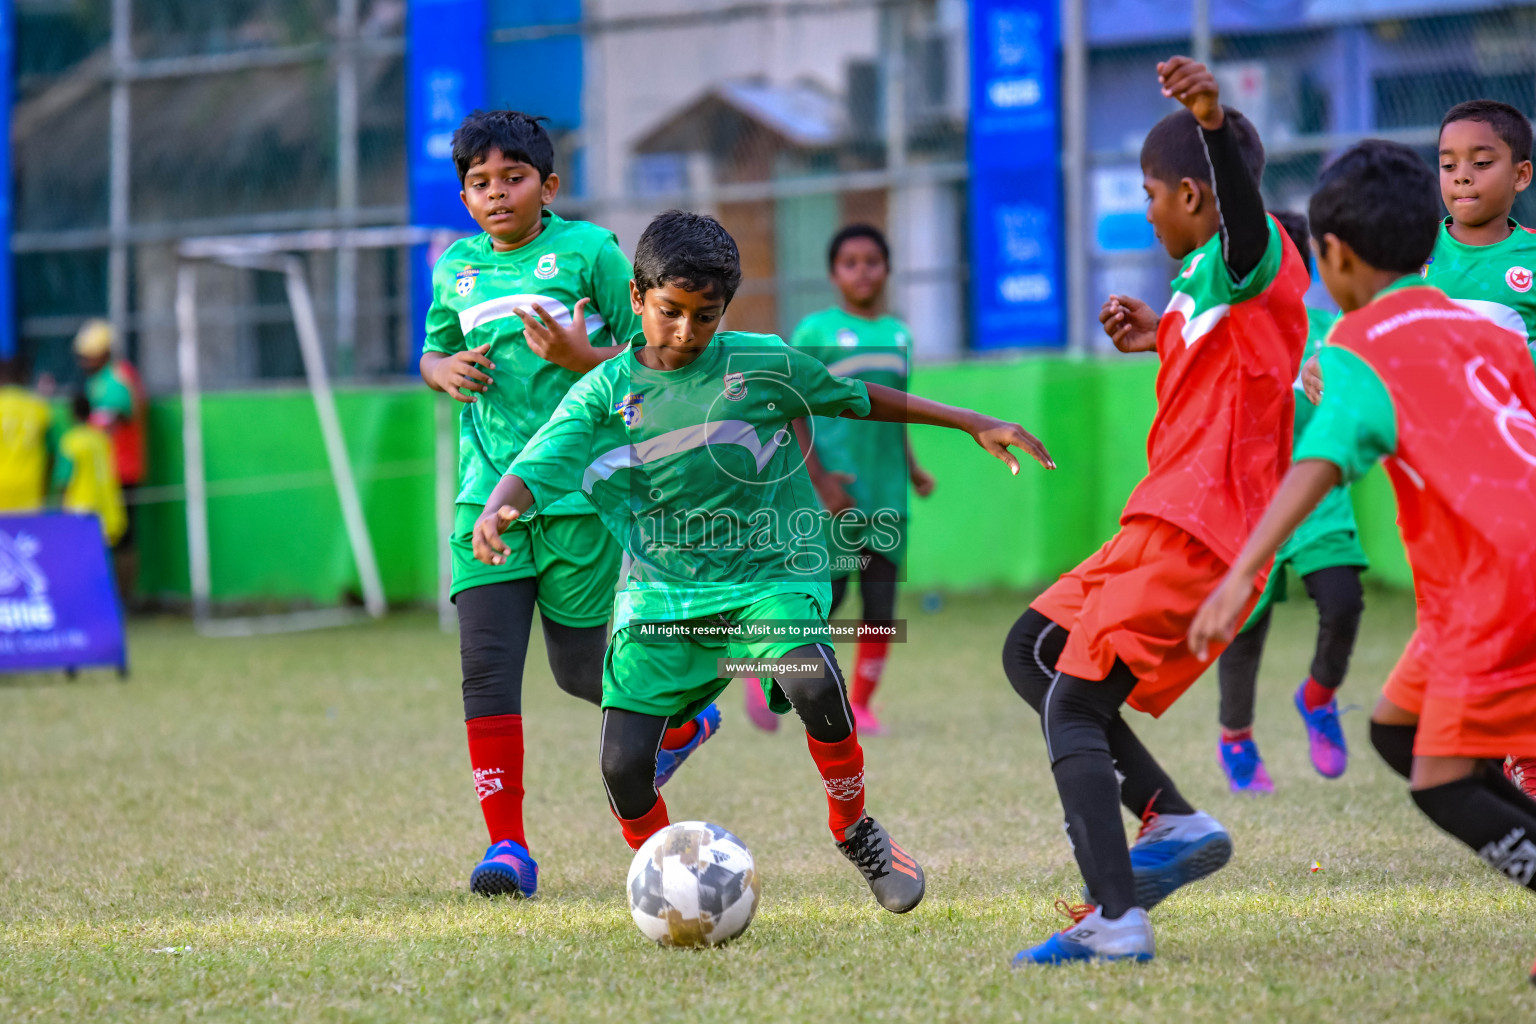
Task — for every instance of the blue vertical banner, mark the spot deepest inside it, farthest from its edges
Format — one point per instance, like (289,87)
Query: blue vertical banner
(7,274)
(1017,286)
(445,80)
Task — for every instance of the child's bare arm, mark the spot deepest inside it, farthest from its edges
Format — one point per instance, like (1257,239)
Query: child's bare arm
(509,499)
(995,435)
(566,346)
(1130,324)
(458,372)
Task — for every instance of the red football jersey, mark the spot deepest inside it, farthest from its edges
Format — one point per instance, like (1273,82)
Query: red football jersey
(1230,354)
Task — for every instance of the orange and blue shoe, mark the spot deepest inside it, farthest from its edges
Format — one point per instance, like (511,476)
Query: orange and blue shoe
(1325,739)
(669,761)
(507,868)
(1091,936)
(1244,767)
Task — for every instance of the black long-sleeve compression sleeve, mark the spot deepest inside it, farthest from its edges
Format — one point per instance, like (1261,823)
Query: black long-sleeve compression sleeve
(1244,224)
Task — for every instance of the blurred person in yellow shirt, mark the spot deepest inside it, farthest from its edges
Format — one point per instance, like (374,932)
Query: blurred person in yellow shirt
(86,471)
(24,419)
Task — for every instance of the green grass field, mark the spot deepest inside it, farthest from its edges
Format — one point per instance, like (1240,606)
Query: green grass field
(294,817)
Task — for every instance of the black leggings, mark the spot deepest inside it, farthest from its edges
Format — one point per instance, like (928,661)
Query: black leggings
(630,740)
(1029,659)
(494,623)
(877,587)
(1340,601)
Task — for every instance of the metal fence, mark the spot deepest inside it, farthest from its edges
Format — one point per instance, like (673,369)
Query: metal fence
(142,122)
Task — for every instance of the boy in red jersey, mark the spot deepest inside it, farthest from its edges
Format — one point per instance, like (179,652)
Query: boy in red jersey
(1446,398)
(1112,630)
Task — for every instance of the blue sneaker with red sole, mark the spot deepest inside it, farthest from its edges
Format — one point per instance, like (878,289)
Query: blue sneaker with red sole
(507,869)
(669,761)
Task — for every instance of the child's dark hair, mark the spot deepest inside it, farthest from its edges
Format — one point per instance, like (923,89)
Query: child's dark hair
(1295,225)
(1511,126)
(80,406)
(853,231)
(688,249)
(519,136)
(1384,201)
(1174,150)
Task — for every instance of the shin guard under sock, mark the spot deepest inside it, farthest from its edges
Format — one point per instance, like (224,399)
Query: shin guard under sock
(638,830)
(841,764)
(868,665)
(496,755)
(1395,745)
(1500,833)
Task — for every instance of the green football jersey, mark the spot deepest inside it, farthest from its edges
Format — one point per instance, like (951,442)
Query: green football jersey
(697,473)
(873,453)
(1491,280)
(1335,513)
(476,293)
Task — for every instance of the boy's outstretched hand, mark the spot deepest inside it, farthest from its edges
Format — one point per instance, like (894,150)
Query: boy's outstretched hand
(1130,324)
(1192,84)
(997,435)
(1217,619)
(566,346)
(1312,380)
(461,372)
(488,545)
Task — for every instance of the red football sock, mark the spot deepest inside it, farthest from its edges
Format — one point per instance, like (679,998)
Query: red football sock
(867,666)
(1236,735)
(842,771)
(638,830)
(1314,694)
(496,755)
(681,736)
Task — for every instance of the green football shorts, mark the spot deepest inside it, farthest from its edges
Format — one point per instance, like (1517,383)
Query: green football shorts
(676,678)
(575,559)
(1341,547)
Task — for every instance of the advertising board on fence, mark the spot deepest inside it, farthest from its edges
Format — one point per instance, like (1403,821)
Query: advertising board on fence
(58,601)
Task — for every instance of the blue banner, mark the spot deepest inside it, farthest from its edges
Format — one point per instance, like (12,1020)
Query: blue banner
(58,601)
(7,278)
(445,80)
(1017,290)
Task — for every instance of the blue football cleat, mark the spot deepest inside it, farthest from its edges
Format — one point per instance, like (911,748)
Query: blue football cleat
(506,868)
(1172,850)
(1325,739)
(1092,937)
(669,761)
(1244,767)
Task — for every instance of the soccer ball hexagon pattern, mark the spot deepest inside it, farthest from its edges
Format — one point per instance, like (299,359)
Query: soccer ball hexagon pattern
(693,884)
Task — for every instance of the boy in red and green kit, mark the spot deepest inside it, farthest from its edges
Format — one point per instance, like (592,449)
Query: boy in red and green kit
(1448,401)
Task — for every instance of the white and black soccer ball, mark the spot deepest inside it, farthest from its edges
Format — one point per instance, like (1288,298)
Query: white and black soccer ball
(693,884)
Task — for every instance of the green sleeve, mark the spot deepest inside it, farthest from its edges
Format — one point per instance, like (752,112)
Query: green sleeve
(611,274)
(1355,425)
(107,390)
(554,461)
(443,332)
(824,394)
(806,335)
(1260,277)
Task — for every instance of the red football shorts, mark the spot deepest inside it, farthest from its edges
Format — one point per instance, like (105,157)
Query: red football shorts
(1134,599)
(1461,717)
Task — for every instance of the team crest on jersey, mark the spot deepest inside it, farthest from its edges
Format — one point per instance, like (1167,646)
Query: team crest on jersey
(1518,278)
(464,280)
(1190,270)
(847,338)
(546,267)
(735,386)
(630,407)
(1424,270)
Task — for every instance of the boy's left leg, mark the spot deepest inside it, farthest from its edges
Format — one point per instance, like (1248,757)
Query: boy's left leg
(877,591)
(1340,602)
(627,752)
(821,702)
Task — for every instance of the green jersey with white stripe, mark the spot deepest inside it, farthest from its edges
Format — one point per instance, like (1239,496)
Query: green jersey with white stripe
(476,293)
(1494,281)
(1335,513)
(697,472)
(873,453)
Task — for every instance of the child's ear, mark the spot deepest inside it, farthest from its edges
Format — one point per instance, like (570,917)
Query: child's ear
(1190,196)
(549,188)
(1336,253)
(1522,175)
(636,298)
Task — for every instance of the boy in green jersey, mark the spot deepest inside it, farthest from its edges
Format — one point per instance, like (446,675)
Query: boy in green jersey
(1325,552)
(860,469)
(519,313)
(685,447)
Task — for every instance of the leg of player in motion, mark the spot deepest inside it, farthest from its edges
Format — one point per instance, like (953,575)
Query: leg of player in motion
(627,752)
(576,658)
(877,591)
(821,702)
(1336,592)
(1029,659)
(494,623)
(1238,672)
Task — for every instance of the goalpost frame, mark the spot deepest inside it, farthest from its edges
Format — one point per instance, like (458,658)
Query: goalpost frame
(282,254)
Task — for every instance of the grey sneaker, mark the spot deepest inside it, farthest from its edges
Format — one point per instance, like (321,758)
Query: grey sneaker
(893,876)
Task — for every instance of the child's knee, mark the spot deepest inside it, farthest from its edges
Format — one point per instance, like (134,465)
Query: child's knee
(623,762)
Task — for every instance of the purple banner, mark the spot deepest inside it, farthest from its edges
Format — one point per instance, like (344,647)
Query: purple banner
(58,602)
